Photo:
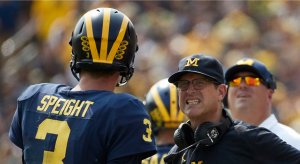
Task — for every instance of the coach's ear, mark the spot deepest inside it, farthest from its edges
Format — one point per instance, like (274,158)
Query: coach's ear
(270,93)
(222,89)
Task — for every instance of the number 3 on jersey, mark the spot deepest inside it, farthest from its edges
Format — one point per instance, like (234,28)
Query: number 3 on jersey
(62,130)
(147,137)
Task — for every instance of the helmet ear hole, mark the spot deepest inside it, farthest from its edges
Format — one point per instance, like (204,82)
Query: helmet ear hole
(94,47)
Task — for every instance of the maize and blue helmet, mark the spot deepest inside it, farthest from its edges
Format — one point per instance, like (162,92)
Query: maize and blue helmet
(161,104)
(104,39)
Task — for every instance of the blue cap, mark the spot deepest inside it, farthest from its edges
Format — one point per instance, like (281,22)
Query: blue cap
(254,66)
(201,64)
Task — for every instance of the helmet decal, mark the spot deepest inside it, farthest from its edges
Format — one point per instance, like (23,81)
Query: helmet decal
(105,57)
(85,46)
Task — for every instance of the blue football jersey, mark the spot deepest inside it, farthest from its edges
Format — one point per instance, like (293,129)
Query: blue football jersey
(53,124)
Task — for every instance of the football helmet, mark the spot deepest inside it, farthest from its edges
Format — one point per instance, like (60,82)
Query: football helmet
(104,39)
(161,104)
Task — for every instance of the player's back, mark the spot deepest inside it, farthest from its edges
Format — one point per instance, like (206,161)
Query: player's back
(57,125)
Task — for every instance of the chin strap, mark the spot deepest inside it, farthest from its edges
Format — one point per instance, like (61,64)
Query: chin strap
(125,77)
(122,82)
(73,70)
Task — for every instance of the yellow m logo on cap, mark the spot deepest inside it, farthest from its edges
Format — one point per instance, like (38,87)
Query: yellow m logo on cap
(192,62)
(245,62)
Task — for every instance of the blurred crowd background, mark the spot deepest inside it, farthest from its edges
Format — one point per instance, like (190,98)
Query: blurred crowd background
(34,48)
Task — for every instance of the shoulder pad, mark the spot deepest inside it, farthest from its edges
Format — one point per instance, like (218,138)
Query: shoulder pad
(44,87)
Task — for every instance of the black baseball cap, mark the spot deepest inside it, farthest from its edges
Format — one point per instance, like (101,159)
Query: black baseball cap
(254,66)
(201,64)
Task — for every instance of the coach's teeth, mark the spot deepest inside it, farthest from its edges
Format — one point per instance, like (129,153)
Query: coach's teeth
(192,102)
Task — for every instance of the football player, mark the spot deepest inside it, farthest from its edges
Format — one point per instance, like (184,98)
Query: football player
(162,106)
(88,123)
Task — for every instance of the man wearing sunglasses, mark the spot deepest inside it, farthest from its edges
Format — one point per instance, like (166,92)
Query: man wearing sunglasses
(251,86)
(210,135)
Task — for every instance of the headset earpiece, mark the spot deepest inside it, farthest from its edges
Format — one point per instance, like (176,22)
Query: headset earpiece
(207,130)
(184,135)
(207,134)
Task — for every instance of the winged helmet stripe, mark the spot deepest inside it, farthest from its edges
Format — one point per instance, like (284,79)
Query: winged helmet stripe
(161,107)
(104,40)
(104,57)
(90,36)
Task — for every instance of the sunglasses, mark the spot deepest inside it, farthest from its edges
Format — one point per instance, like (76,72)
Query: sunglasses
(250,81)
(198,84)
